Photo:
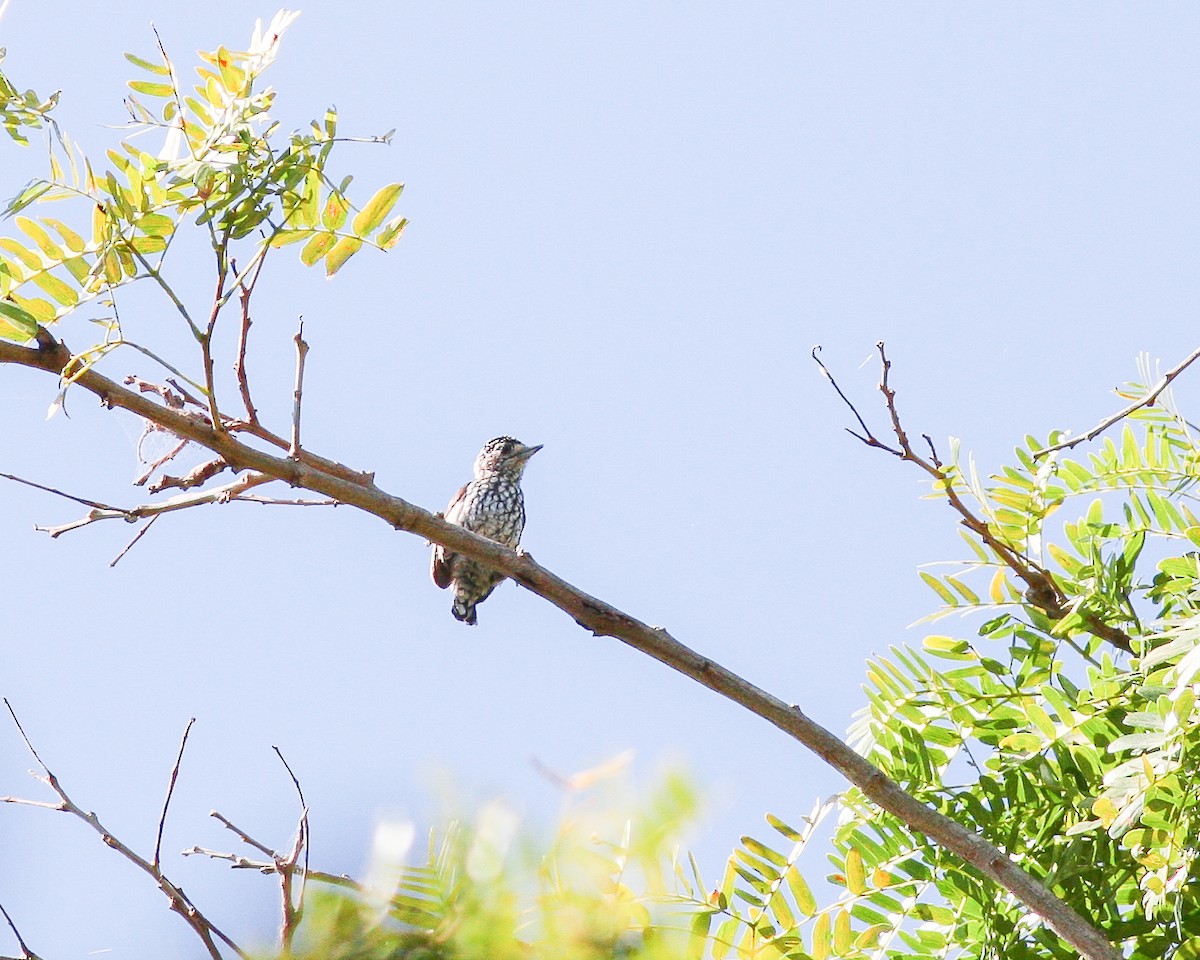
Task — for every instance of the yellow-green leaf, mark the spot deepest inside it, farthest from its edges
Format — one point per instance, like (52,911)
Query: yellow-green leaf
(73,240)
(42,311)
(377,208)
(149,88)
(390,235)
(22,253)
(841,933)
(342,251)
(803,896)
(316,248)
(939,588)
(60,291)
(284,237)
(156,225)
(820,937)
(856,878)
(157,68)
(146,245)
(337,208)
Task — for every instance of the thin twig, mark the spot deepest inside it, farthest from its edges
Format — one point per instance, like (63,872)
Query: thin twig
(293,912)
(245,291)
(242,834)
(58,493)
(602,619)
(196,477)
(204,928)
(238,862)
(183,501)
(1146,401)
(162,820)
(298,394)
(206,339)
(1042,590)
(273,502)
(130,545)
(26,953)
(865,437)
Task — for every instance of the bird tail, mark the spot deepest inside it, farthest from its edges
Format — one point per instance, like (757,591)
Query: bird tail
(464,610)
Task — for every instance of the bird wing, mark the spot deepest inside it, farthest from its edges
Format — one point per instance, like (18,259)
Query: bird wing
(441,565)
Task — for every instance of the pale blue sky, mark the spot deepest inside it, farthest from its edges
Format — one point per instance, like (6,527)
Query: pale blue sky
(630,224)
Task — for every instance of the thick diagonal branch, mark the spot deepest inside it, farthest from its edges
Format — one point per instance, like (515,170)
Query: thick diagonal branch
(603,620)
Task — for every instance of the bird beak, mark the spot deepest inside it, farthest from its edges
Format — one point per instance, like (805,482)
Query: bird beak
(526,452)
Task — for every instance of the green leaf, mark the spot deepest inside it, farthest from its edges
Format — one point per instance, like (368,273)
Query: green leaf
(377,209)
(15,323)
(156,224)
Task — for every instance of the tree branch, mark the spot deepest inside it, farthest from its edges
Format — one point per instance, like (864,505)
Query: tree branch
(603,620)
(183,501)
(1042,590)
(205,929)
(1146,401)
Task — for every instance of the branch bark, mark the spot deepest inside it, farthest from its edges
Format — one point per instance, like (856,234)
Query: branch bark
(601,619)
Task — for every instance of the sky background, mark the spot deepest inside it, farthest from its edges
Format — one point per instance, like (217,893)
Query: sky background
(630,223)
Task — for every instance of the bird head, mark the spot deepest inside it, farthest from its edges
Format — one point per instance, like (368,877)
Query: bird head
(504,455)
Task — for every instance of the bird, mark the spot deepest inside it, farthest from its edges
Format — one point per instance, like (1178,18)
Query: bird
(492,506)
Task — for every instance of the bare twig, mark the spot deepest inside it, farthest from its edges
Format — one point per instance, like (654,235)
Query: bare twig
(58,493)
(196,477)
(603,619)
(245,291)
(273,502)
(162,820)
(238,862)
(206,338)
(179,902)
(298,394)
(293,911)
(153,466)
(1042,590)
(183,501)
(242,834)
(1146,401)
(132,543)
(26,953)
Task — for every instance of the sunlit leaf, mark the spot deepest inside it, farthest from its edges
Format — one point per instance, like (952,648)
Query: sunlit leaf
(377,209)
(342,251)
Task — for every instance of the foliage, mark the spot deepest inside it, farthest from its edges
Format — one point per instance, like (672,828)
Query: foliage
(481,892)
(1041,732)
(224,166)
(1075,759)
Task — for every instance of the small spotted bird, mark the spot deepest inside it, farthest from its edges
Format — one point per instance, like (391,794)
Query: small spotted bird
(492,506)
